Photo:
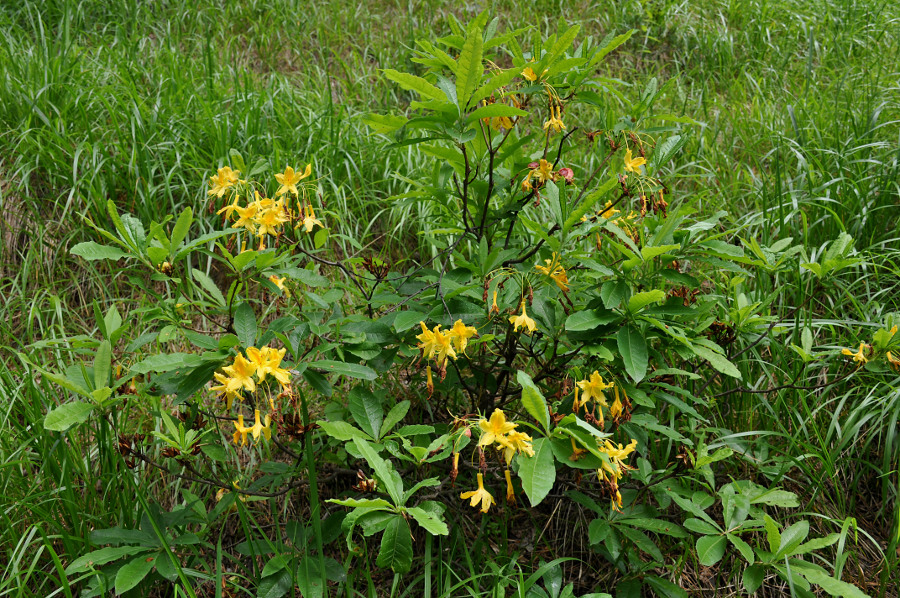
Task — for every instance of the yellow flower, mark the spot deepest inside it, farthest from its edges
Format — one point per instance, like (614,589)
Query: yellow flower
(608,210)
(289,179)
(279,282)
(494,308)
(309,219)
(893,361)
(859,355)
(429,383)
(617,453)
(479,496)
(224,179)
(510,492)
(633,164)
(229,209)
(241,371)
(554,270)
(543,172)
(443,347)
(555,122)
(230,387)
(427,341)
(593,388)
(522,320)
(615,410)
(257,428)
(270,219)
(246,216)
(515,441)
(460,335)
(268,362)
(495,428)
(529,74)
(241,431)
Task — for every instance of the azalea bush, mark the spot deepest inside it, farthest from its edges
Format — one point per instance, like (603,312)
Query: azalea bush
(561,332)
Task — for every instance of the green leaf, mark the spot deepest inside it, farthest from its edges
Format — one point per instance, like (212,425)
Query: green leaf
(633,349)
(833,586)
(563,43)
(742,547)
(407,319)
(341,430)
(245,324)
(588,202)
(102,364)
(792,537)
(538,473)
(394,416)
(641,300)
(650,252)
(816,544)
(65,416)
(533,401)
(166,363)
(131,573)
(94,251)
(274,586)
(609,47)
(700,526)
(366,410)
(469,68)
(353,370)
(384,123)
(753,578)
(417,84)
(657,525)
(717,360)
(493,110)
(429,521)
(773,534)
(180,230)
(209,286)
(382,469)
(777,498)
(711,549)
(100,557)
(665,588)
(581,321)
(396,546)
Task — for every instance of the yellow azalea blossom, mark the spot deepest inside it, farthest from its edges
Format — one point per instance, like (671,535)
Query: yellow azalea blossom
(555,271)
(225,178)
(523,321)
(242,371)
(230,387)
(615,410)
(309,219)
(257,428)
(510,492)
(529,74)
(494,308)
(271,219)
(429,381)
(859,356)
(499,122)
(246,216)
(495,428)
(555,122)
(231,208)
(427,341)
(526,183)
(460,335)
(633,164)
(279,282)
(608,211)
(893,361)
(289,179)
(479,496)
(240,435)
(593,388)
(515,442)
(617,453)
(543,172)
(443,347)
(268,362)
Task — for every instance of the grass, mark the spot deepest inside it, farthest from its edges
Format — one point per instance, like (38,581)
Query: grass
(799,106)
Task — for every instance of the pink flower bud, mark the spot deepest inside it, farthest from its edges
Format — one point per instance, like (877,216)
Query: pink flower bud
(568,174)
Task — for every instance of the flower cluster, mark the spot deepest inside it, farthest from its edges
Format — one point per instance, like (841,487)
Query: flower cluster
(441,344)
(225,179)
(542,171)
(614,468)
(497,431)
(592,389)
(883,340)
(554,270)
